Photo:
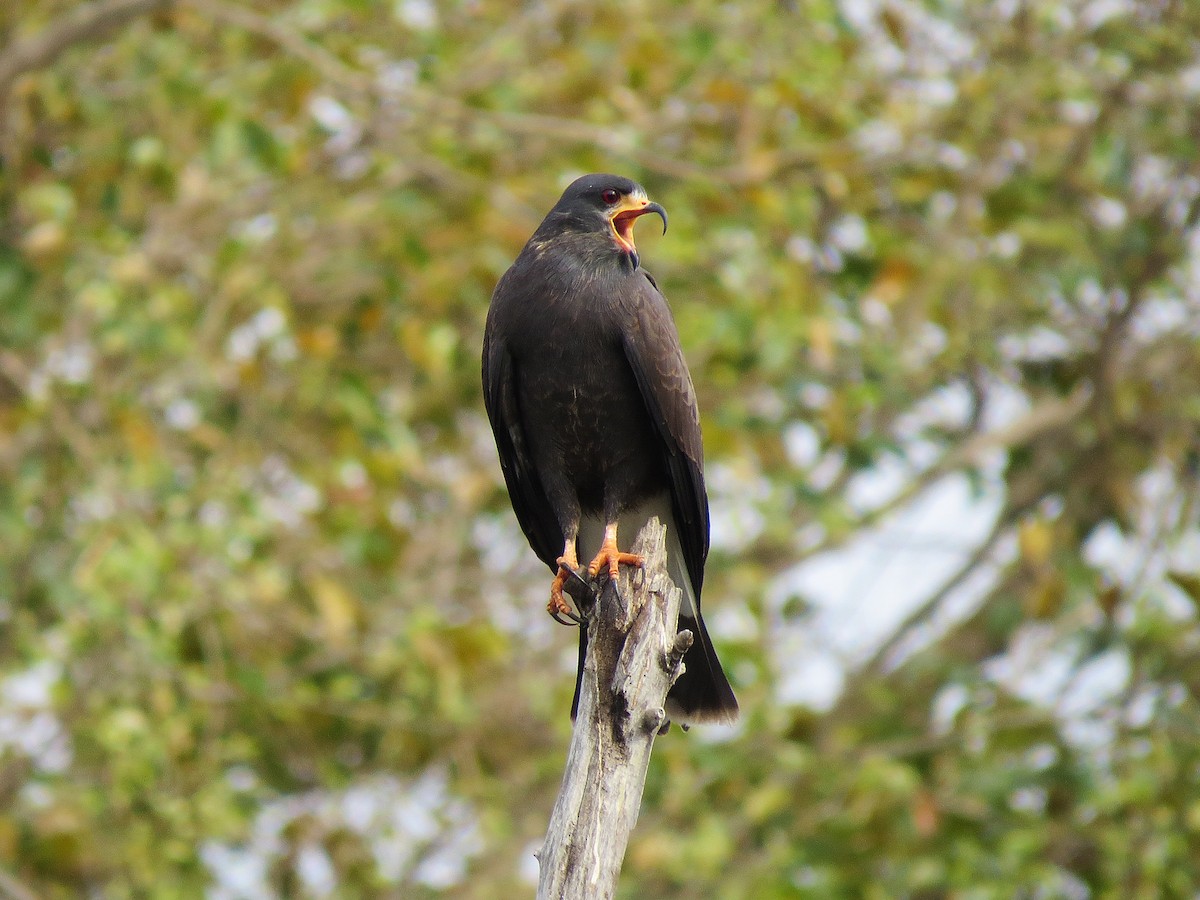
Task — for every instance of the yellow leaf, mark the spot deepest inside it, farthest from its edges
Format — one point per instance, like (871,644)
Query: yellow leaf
(44,239)
(893,281)
(1035,538)
(336,607)
(1045,598)
(140,436)
(821,346)
(321,341)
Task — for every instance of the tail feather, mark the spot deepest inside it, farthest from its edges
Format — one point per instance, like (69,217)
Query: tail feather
(702,693)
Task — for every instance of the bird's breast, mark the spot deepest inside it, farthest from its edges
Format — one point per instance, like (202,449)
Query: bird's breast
(588,421)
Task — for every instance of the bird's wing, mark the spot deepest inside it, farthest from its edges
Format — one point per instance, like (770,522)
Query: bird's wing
(654,353)
(529,501)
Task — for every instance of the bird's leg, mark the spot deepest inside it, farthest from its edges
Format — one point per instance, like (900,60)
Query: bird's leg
(568,565)
(611,557)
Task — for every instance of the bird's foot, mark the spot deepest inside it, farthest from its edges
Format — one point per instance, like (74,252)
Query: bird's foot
(558,605)
(612,558)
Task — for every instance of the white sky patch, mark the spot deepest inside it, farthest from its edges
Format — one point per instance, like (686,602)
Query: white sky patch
(814,675)
(415,831)
(1157,317)
(352,474)
(528,869)
(1153,179)
(1098,12)
(877,485)
(1078,112)
(182,414)
(734,497)
(1030,668)
(1087,707)
(879,138)
(952,157)
(1006,245)
(286,498)
(1109,213)
(72,364)
(330,114)
(801,443)
(269,327)
(316,870)
(934,92)
(956,606)
(827,470)
(947,704)
(419,15)
(849,233)
(1038,344)
(258,229)
(875,312)
(942,205)
(1143,557)
(946,407)
(861,593)
(800,248)
(1189,80)
(27,723)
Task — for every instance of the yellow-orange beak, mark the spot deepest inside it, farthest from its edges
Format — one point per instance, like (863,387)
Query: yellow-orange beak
(627,213)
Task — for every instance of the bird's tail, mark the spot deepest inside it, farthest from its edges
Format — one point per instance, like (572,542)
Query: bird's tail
(702,693)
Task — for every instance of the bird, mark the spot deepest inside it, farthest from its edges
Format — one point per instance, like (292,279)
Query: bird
(595,416)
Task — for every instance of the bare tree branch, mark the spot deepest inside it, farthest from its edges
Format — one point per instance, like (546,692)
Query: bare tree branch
(288,39)
(1046,416)
(970,566)
(89,22)
(633,656)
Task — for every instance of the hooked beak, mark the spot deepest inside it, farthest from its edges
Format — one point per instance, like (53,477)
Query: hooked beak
(627,213)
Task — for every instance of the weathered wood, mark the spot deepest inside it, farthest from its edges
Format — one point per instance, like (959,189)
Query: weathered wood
(633,657)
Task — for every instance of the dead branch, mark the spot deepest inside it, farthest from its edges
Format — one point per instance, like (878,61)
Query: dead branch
(633,657)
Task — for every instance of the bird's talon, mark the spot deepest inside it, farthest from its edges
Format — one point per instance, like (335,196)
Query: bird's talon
(558,606)
(572,620)
(576,576)
(612,559)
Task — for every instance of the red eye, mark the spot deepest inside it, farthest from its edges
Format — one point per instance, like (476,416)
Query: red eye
(610,196)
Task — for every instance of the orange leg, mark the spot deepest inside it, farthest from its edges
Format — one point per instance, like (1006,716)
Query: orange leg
(558,605)
(611,557)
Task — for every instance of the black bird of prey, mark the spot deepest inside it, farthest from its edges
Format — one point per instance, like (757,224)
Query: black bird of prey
(595,415)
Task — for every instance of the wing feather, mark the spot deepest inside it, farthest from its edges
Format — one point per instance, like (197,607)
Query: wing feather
(525,489)
(654,353)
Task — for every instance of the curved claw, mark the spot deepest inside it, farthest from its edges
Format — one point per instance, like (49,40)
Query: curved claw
(558,606)
(557,616)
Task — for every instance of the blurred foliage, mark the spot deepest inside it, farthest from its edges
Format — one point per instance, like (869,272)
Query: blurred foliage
(267,626)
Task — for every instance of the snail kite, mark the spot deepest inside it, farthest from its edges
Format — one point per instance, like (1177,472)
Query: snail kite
(595,416)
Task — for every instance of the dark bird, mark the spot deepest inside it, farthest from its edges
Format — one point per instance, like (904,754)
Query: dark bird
(595,416)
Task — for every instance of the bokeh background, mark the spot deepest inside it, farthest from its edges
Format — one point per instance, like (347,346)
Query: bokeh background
(268,627)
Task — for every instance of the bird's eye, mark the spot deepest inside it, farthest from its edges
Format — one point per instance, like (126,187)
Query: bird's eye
(610,196)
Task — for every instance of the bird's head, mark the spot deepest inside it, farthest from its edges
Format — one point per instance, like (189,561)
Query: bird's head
(606,206)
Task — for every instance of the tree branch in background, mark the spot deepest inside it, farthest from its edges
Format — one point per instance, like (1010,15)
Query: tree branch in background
(1046,416)
(633,657)
(89,22)
(287,39)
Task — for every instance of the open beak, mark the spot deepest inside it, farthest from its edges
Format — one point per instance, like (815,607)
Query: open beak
(627,213)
